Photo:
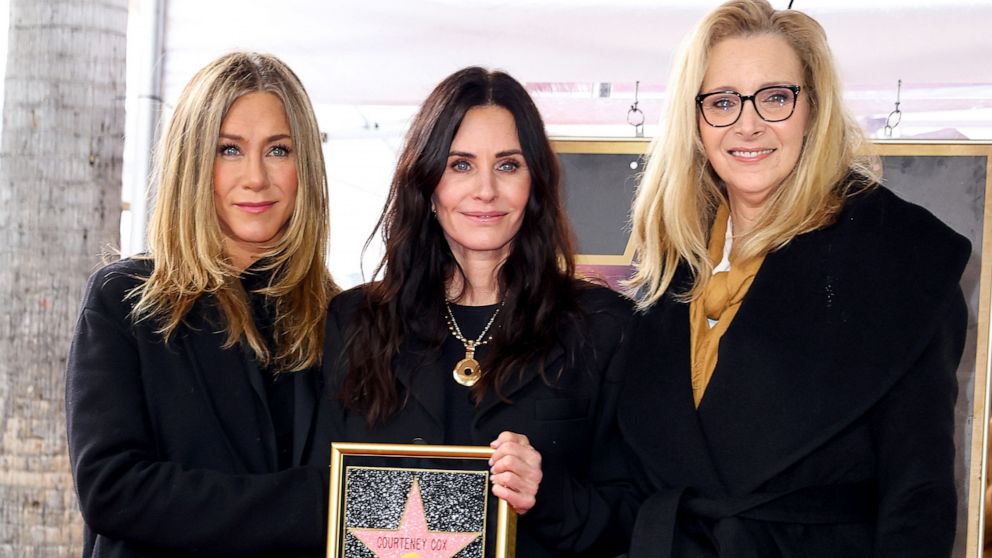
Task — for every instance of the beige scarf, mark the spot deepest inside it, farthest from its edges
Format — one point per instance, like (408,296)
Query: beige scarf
(719,301)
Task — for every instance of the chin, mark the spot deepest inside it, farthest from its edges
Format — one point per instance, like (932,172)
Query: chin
(256,238)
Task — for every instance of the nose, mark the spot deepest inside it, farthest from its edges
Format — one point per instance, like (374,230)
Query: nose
(486,186)
(255,176)
(749,122)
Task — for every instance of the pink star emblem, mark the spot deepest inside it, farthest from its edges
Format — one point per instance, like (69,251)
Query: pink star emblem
(413,539)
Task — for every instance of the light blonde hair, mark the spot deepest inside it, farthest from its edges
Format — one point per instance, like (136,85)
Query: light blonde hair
(184,235)
(680,192)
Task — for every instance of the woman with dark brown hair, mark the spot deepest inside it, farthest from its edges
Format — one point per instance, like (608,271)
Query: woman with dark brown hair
(477,331)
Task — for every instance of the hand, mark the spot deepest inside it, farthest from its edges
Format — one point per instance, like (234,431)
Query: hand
(515,469)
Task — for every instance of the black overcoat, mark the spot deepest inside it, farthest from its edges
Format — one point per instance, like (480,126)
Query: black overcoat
(571,423)
(827,427)
(171,448)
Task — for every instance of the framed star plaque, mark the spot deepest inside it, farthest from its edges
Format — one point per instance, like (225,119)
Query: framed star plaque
(415,501)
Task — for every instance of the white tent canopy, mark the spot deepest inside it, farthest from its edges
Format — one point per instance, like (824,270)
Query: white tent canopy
(367,65)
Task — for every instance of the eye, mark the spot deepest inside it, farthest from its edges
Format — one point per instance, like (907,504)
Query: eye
(509,165)
(723,102)
(228,150)
(279,151)
(461,165)
(776,97)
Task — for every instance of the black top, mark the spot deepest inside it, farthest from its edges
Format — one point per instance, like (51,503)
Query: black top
(458,406)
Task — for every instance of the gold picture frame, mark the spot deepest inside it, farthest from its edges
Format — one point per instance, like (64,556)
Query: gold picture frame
(948,178)
(380,494)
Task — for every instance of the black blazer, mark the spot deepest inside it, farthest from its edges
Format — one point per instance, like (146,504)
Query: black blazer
(171,446)
(571,423)
(827,427)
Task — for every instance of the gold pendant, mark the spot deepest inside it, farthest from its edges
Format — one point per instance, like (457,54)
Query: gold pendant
(467,372)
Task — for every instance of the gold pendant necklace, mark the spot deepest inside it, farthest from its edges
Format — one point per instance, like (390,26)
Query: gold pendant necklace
(467,371)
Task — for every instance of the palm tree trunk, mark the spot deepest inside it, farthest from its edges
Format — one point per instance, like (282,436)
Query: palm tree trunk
(60,182)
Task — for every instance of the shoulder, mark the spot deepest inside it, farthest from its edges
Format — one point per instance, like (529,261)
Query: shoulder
(593,299)
(885,262)
(604,315)
(900,226)
(884,239)
(110,285)
(345,303)
(107,299)
(343,309)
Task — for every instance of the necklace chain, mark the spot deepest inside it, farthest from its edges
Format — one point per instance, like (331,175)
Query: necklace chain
(467,372)
(457,332)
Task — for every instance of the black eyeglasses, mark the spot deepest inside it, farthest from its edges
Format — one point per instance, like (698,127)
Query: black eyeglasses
(773,104)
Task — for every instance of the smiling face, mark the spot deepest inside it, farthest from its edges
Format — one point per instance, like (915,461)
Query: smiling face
(753,156)
(482,194)
(255,178)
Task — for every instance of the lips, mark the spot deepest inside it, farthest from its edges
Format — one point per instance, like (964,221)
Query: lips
(750,154)
(255,207)
(484,216)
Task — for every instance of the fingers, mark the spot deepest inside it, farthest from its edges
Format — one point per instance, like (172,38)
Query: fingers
(509,437)
(515,469)
(520,503)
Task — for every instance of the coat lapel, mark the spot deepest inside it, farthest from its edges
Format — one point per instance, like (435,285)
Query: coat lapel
(773,371)
(224,376)
(266,434)
(823,334)
(516,382)
(420,372)
(658,392)
(305,390)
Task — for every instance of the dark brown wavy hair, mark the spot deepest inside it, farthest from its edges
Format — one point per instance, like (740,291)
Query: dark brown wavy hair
(537,281)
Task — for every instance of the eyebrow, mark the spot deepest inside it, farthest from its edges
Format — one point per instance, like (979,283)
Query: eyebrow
(269,139)
(720,88)
(468,155)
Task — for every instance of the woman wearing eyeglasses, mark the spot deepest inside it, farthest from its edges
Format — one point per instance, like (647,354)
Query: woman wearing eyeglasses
(801,324)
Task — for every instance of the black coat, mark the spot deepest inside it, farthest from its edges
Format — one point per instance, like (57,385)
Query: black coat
(171,446)
(571,423)
(827,427)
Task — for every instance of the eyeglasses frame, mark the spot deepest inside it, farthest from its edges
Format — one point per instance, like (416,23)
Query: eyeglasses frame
(745,98)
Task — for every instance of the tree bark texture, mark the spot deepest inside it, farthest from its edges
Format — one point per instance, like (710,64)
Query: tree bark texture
(60,191)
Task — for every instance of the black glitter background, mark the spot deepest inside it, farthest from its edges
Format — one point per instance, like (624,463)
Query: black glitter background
(454,501)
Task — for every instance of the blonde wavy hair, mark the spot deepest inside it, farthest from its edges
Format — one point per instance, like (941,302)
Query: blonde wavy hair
(679,192)
(184,234)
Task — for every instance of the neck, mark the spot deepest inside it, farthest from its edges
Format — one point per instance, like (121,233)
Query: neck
(479,286)
(744,213)
(241,261)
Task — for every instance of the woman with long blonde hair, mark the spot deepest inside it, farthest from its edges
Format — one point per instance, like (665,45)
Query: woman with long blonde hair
(801,325)
(192,377)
